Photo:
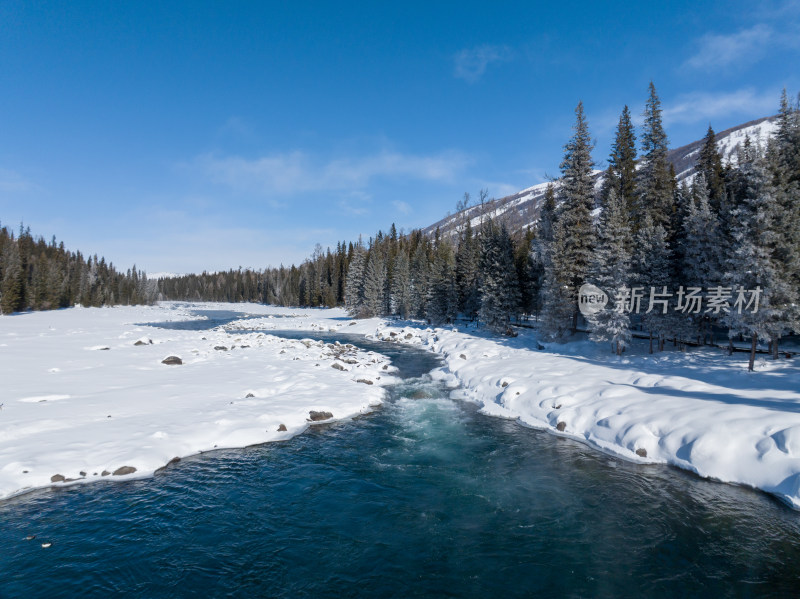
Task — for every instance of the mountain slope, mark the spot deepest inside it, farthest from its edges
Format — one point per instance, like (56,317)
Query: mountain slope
(521,209)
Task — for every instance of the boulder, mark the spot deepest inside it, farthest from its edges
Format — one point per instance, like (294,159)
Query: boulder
(365,381)
(220,348)
(249,395)
(641,452)
(337,366)
(463,357)
(123,470)
(172,360)
(105,473)
(561,426)
(314,416)
(57,478)
(281,428)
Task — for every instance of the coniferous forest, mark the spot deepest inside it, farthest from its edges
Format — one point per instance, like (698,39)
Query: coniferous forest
(677,262)
(37,275)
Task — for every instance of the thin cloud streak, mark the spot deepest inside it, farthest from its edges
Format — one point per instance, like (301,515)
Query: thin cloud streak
(297,172)
(471,63)
(702,106)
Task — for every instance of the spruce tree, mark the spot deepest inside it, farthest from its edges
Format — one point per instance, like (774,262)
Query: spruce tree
(576,193)
(622,163)
(611,272)
(400,291)
(354,289)
(499,285)
(655,180)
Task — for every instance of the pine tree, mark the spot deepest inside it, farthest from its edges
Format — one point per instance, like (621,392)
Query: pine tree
(354,289)
(656,182)
(442,304)
(653,275)
(622,163)
(12,287)
(755,264)
(576,193)
(467,279)
(375,283)
(709,164)
(499,285)
(611,272)
(400,291)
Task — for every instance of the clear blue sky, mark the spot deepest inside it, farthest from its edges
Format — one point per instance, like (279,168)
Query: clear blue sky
(195,135)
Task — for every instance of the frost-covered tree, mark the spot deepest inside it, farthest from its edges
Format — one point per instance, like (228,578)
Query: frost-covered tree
(442,304)
(755,263)
(499,285)
(610,271)
(709,164)
(652,258)
(400,291)
(354,289)
(420,279)
(375,279)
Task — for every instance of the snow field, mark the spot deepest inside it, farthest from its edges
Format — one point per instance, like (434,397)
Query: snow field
(81,399)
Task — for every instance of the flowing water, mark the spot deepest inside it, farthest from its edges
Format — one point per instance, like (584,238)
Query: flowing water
(424,497)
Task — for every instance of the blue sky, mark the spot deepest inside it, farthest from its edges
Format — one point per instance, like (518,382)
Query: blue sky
(184,136)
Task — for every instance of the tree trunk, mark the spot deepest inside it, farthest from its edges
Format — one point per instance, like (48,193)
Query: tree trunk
(651,342)
(752,352)
(775,348)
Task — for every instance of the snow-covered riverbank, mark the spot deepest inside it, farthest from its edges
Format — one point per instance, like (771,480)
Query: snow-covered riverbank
(72,407)
(83,401)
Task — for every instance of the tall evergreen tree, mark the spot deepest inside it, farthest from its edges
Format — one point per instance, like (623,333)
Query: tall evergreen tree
(499,285)
(655,185)
(576,192)
(622,163)
(610,271)
(354,290)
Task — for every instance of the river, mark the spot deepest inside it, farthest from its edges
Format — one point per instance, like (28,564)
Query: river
(423,497)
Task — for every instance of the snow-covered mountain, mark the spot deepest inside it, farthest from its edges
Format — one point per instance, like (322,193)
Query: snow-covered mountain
(521,209)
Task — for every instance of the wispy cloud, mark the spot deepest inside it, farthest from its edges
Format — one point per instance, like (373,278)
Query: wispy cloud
(703,106)
(744,47)
(298,172)
(471,63)
(719,50)
(402,207)
(13,182)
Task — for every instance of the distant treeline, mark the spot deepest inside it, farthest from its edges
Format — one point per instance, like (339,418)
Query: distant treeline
(36,275)
(317,282)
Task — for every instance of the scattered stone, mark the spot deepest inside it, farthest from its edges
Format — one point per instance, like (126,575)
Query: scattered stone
(558,407)
(94,473)
(104,348)
(350,361)
(82,473)
(409,336)
(220,348)
(504,384)
(172,360)
(57,478)
(123,470)
(245,346)
(105,473)
(24,472)
(314,416)
(352,323)
(282,428)
(283,351)
(463,357)
(248,395)
(641,452)
(393,334)
(386,367)
(337,366)
(561,426)
(365,381)
(144,341)
(109,416)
